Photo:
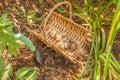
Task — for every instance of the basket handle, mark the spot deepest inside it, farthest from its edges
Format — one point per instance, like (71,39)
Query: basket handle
(59,4)
(55,7)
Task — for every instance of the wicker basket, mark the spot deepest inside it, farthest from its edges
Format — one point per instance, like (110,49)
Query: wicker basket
(63,35)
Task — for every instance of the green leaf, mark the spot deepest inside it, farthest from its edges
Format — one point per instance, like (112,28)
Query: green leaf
(115,62)
(114,33)
(81,14)
(3,19)
(97,76)
(14,44)
(5,70)
(116,74)
(8,71)
(22,75)
(41,1)
(9,29)
(32,76)
(39,19)
(12,50)
(113,25)
(107,63)
(115,1)
(118,26)
(8,23)
(2,47)
(31,13)
(27,73)
(103,40)
(110,75)
(2,63)
(7,36)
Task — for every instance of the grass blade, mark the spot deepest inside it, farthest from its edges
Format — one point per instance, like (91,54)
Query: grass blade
(110,75)
(114,22)
(97,77)
(106,63)
(103,40)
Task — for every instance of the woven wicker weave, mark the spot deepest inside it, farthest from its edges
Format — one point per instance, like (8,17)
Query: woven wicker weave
(63,35)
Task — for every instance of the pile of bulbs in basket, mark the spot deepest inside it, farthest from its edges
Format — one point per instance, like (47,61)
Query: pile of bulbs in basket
(64,42)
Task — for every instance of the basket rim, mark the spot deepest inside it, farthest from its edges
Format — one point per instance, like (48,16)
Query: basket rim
(69,20)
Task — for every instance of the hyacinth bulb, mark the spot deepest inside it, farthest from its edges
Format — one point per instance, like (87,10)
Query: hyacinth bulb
(58,37)
(73,45)
(52,34)
(61,45)
(66,44)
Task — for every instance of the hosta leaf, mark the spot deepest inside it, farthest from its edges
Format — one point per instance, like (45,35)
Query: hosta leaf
(8,71)
(3,19)
(3,37)
(5,70)
(8,23)
(2,47)
(14,44)
(22,75)
(32,76)
(2,63)
(12,51)
(7,36)
(10,28)
(27,73)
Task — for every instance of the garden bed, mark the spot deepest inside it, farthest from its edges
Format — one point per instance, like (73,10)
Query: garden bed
(55,66)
